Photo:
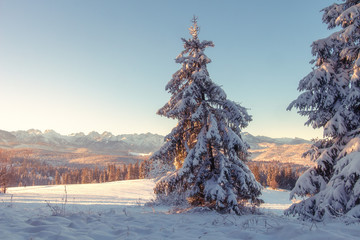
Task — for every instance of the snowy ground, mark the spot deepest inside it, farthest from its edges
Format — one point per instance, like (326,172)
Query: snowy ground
(116,211)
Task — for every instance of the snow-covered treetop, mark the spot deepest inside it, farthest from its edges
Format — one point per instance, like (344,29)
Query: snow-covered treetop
(193,60)
(192,89)
(194,30)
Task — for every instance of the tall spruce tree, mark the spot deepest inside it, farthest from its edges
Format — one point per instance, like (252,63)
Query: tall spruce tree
(205,149)
(330,100)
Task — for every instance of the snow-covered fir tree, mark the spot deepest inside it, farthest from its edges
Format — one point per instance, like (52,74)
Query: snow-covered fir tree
(205,151)
(330,100)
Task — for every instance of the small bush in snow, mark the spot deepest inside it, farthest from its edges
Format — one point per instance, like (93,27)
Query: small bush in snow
(58,209)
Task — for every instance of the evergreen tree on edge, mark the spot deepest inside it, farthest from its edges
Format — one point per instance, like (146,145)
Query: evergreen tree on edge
(331,100)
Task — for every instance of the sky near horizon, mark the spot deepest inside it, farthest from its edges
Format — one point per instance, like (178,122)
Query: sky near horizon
(79,66)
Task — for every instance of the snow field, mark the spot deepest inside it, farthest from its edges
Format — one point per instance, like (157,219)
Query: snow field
(116,211)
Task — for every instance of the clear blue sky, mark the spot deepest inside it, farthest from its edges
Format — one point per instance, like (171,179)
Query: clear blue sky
(88,65)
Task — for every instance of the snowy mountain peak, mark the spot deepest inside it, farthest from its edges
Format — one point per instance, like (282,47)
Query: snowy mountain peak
(34,132)
(79,134)
(107,135)
(94,135)
(51,133)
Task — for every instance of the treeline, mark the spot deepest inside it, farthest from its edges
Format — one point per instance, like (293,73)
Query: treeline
(95,175)
(276,174)
(25,172)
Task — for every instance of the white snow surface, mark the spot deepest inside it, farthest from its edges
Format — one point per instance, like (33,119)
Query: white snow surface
(116,210)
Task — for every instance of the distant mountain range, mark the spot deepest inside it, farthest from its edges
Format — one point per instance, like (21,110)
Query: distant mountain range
(255,141)
(262,148)
(105,143)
